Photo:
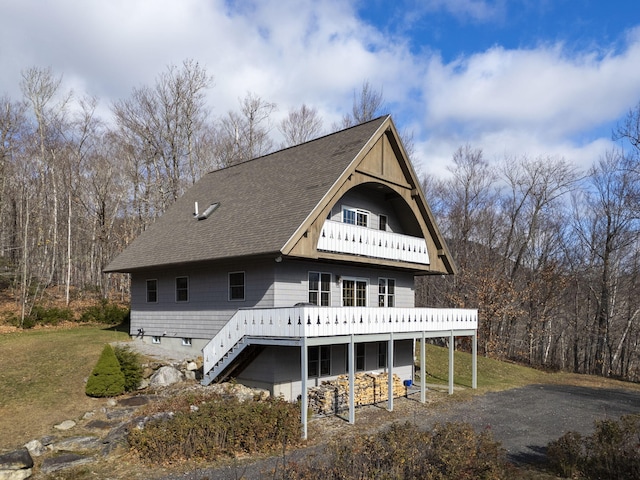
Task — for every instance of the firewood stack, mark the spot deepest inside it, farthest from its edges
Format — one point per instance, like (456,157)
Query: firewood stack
(332,396)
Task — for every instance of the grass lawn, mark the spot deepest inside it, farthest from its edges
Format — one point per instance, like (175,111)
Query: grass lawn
(42,378)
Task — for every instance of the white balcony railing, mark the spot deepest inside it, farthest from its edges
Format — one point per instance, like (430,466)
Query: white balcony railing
(297,322)
(355,240)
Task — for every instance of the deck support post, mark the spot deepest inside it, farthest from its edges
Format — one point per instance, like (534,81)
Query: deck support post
(303,398)
(390,370)
(423,370)
(451,350)
(474,360)
(352,408)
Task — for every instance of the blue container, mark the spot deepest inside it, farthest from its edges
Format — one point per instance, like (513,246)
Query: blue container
(407,383)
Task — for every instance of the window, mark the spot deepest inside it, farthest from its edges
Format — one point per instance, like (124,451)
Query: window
(156,339)
(354,293)
(382,223)
(320,288)
(182,289)
(152,291)
(382,355)
(319,361)
(186,342)
(355,216)
(236,286)
(359,357)
(386,292)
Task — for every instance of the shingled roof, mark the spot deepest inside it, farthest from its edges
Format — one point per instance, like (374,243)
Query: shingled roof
(262,203)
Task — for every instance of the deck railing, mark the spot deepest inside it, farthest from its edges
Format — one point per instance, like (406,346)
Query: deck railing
(298,322)
(355,240)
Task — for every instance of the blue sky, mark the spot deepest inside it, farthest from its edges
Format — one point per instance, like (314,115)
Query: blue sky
(513,77)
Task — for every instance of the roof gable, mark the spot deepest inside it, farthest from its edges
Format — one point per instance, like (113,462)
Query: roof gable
(383,161)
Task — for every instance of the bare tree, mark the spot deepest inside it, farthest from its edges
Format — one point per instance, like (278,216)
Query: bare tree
(367,105)
(160,128)
(245,135)
(301,125)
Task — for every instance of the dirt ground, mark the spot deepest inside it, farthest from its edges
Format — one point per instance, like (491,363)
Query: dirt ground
(524,420)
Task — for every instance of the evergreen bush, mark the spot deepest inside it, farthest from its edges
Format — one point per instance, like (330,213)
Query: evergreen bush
(105,312)
(106,379)
(130,366)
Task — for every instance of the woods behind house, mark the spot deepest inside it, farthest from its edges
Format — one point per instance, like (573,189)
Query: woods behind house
(547,252)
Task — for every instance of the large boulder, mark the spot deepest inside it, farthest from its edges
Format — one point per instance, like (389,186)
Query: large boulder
(165,376)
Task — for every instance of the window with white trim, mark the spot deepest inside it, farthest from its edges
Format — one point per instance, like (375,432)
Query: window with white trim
(156,340)
(186,342)
(354,292)
(355,216)
(236,286)
(152,291)
(382,223)
(320,288)
(386,292)
(182,289)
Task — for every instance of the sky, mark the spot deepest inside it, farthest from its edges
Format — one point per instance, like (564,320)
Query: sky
(514,78)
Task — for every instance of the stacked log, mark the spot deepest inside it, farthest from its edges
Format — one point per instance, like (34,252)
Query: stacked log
(332,396)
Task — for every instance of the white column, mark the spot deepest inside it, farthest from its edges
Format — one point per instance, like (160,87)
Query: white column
(474,360)
(423,370)
(304,375)
(451,350)
(390,372)
(352,408)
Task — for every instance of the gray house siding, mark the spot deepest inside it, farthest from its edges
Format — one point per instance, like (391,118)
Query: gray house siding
(277,369)
(292,283)
(208,307)
(267,284)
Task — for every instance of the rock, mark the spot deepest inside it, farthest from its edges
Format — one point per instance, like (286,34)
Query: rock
(192,366)
(16,465)
(88,415)
(165,376)
(35,447)
(66,460)
(135,401)
(119,413)
(66,425)
(144,383)
(76,444)
(112,402)
(98,425)
(190,375)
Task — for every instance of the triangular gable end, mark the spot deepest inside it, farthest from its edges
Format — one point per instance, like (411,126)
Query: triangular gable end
(382,161)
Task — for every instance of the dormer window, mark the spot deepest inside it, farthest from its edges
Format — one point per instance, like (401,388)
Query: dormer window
(355,216)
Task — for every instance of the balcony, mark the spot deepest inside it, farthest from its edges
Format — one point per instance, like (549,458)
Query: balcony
(294,323)
(338,237)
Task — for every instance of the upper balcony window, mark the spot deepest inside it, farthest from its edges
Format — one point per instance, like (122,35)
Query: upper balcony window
(355,216)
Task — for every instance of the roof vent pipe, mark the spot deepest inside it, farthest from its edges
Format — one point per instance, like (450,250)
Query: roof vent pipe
(195,209)
(210,209)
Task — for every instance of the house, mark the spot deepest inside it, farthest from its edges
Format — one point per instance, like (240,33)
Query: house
(296,267)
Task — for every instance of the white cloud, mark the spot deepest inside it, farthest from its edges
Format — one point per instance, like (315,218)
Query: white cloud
(519,101)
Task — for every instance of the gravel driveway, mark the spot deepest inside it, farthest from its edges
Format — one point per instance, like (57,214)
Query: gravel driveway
(524,420)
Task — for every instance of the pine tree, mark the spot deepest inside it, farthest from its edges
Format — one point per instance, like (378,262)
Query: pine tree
(107,379)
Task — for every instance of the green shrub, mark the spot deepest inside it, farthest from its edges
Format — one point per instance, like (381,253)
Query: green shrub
(106,379)
(219,427)
(49,316)
(105,312)
(610,452)
(403,451)
(131,367)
